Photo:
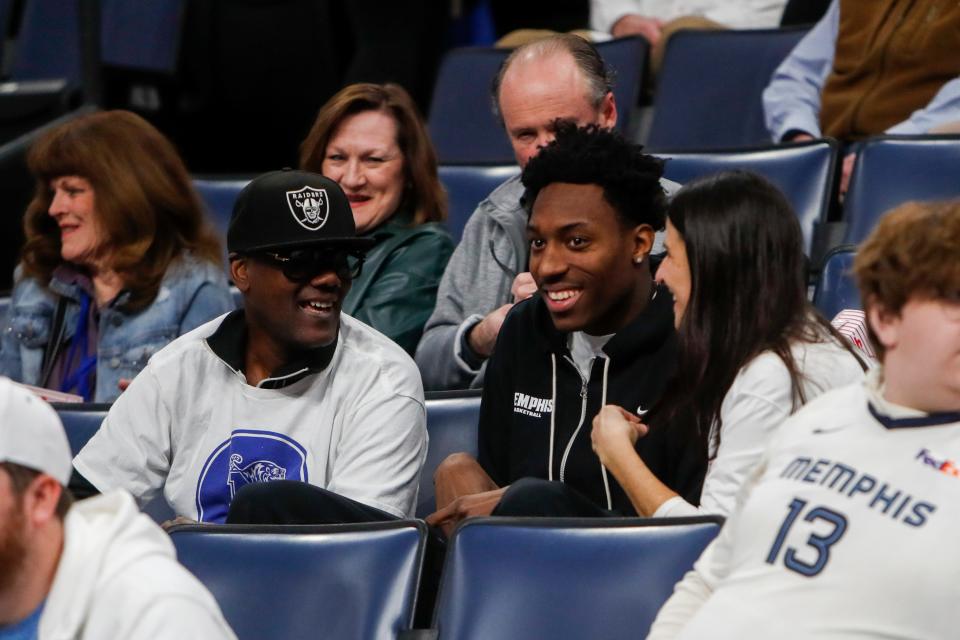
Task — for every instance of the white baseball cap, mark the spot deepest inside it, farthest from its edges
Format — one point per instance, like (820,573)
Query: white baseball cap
(31,433)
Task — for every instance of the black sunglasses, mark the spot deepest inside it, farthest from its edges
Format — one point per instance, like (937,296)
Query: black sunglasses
(300,265)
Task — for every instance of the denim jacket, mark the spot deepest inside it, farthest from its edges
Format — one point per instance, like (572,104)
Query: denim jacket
(191,293)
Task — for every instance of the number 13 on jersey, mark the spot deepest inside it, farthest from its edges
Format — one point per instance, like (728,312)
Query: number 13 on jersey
(819,542)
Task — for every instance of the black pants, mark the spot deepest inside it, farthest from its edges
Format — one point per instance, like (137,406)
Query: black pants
(545,499)
(291,502)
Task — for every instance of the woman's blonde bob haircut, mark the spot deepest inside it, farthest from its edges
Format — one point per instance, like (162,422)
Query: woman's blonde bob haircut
(423,192)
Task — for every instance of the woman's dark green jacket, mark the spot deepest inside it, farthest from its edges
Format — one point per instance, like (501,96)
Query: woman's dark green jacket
(397,289)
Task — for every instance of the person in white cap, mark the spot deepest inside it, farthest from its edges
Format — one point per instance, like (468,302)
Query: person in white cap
(91,571)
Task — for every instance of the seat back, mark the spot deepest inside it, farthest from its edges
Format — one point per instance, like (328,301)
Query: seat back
(892,170)
(6,7)
(452,420)
(710,86)
(294,582)
(81,421)
(142,35)
(806,174)
(836,288)
(219,195)
(48,45)
(468,186)
(525,578)
(461,123)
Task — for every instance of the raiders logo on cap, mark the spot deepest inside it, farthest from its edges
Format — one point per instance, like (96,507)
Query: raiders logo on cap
(309,207)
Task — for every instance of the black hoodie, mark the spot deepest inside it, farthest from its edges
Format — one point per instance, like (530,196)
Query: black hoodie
(533,388)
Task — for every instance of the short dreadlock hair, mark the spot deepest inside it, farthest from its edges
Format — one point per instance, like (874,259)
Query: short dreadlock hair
(630,179)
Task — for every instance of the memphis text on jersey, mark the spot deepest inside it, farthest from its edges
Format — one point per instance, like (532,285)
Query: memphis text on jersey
(849,482)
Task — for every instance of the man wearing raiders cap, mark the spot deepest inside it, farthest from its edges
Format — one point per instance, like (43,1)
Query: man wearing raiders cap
(284,394)
(94,570)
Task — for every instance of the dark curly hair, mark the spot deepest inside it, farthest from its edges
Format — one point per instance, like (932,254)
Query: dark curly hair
(593,155)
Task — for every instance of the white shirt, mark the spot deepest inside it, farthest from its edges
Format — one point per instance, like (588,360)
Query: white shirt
(191,426)
(847,531)
(584,348)
(758,402)
(118,577)
(736,14)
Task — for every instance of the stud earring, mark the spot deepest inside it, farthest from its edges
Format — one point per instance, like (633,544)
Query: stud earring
(637,259)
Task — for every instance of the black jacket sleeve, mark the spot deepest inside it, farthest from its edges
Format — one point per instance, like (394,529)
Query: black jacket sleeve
(496,406)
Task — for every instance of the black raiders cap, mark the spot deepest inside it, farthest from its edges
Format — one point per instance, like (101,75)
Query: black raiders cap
(290,209)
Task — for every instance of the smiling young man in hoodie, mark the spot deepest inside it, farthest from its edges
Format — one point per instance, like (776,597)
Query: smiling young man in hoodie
(597,329)
(94,570)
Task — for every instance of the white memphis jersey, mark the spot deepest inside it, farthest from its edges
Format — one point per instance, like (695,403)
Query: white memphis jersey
(849,531)
(191,426)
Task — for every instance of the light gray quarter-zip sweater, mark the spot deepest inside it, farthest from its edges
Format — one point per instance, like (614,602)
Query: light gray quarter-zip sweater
(477,281)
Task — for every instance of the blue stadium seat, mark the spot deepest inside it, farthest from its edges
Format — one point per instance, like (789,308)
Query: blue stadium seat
(461,122)
(81,421)
(836,288)
(805,172)
(219,194)
(48,44)
(891,170)
(452,419)
(709,88)
(5,13)
(295,582)
(143,35)
(466,187)
(523,578)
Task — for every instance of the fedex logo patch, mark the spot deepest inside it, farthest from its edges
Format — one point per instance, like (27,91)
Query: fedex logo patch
(943,465)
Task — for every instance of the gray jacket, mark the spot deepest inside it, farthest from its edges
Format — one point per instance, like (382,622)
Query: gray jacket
(492,251)
(477,280)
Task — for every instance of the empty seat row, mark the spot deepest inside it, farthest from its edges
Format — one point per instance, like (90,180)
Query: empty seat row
(461,122)
(142,35)
(889,171)
(707,95)
(505,578)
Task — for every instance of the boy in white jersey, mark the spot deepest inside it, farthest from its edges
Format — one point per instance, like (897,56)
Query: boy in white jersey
(299,411)
(848,527)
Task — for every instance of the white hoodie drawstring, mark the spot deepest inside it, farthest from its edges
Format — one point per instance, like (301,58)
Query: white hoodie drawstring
(553,413)
(603,402)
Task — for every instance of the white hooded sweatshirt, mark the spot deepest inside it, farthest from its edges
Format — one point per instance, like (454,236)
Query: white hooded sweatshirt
(118,577)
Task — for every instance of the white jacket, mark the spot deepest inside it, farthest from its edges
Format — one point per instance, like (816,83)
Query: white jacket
(736,14)
(118,577)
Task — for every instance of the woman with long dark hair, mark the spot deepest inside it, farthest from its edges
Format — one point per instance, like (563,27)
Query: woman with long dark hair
(752,347)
